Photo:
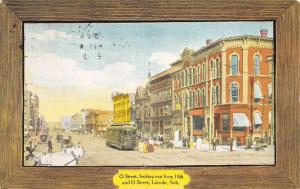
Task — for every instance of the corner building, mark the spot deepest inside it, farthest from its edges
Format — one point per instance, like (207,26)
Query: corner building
(228,82)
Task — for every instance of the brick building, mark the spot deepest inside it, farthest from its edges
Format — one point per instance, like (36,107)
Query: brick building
(237,72)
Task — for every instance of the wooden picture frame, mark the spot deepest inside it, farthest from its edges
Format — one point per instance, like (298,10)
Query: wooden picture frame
(286,14)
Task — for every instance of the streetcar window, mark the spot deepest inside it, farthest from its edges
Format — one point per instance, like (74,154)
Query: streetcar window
(132,133)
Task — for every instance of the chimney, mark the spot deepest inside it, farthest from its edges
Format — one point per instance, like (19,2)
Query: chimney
(263,33)
(208,42)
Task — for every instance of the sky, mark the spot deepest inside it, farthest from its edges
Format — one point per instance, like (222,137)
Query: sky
(72,66)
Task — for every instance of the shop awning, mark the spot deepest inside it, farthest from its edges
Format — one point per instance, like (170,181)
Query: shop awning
(240,120)
(257,92)
(257,118)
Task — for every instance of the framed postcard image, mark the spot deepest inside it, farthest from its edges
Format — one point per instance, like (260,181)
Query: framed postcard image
(108,86)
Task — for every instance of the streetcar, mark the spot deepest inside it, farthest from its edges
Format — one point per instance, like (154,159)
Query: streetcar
(122,137)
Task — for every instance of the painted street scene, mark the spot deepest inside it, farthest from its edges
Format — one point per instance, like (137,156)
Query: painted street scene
(148,94)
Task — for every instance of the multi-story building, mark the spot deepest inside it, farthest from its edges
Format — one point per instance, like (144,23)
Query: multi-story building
(95,119)
(161,103)
(225,88)
(124,108)
(33,121)
(143,109)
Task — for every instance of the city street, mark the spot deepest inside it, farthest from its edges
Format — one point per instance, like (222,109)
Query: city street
(97,154)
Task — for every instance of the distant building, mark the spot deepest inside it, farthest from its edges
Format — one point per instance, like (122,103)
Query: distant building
(76,122)
(124,108)
(96,119)
(66,122)
(33,121)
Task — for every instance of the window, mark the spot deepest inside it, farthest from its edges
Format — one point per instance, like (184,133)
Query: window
(186,78)
(217,68)
(257,92)
(198,76)
(257,65)
(193,99)
(214,95)
(194,75)
(198,122)
(212,69)
(234,65)
(190,76)
(204,98)
(225,122)
(189,99)
(204,73)
(200,98)
(217,94)
(234,92)
(182,79)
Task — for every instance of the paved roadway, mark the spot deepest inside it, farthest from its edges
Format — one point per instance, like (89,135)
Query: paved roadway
(97,154)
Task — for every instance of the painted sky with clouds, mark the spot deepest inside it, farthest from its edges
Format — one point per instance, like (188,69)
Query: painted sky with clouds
(71,66)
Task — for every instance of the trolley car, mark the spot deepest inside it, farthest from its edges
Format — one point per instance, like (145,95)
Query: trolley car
(122,137)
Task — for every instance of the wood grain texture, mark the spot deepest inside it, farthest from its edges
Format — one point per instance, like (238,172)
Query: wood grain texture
(288,93)
(287,15)
(145,10)
(10,93)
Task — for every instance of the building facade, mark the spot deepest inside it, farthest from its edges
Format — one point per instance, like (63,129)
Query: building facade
(124,108)
(95,119)
(225,88)
(143,109)
(161,104)
(33,120)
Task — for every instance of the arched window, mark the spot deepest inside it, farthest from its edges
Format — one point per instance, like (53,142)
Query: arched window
(186,78)
(212,69)
(234,92)
(190,76)
(193,99)
(257,65)
(234,65)
(204,73)
(198,101)
(198,75)
(217,67)
(194,75)
(217,94)
(257,92)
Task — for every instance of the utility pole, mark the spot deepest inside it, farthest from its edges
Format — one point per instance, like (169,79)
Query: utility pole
(211,121)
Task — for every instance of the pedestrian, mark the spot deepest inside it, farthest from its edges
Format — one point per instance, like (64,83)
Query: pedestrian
(231,144)
(49,146)
(249,142)
(215,144)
